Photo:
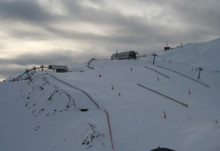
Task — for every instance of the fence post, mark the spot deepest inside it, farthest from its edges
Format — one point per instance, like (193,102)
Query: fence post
(154,54)
(200,69)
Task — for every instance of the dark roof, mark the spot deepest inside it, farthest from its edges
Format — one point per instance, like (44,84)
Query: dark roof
(162,149)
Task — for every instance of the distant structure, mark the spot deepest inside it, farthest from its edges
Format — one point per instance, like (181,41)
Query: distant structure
(58,68)
(124,55)
(167,47)
(162,149)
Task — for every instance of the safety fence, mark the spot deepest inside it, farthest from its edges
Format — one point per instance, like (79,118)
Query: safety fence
(90,63)
(110,130)
(94,102)
(27,74)
(172,99)
(84,92)
(186,76)
(166,76)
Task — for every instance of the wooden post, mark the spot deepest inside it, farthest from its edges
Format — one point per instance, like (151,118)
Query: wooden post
(26,71)
(42,67)
(200,69)
(164,115)
(34,68)
(154,54)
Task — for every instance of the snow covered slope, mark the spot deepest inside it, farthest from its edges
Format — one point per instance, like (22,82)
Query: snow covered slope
(200,54)
(149,106)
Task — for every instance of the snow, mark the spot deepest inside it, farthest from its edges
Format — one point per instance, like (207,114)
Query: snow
(44,113)
(204,54)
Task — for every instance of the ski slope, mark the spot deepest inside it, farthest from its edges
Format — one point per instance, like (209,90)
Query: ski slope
(44,113)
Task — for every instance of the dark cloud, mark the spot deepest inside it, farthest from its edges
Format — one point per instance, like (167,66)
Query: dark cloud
(202,16)
(128,30)
(121,36)
(29,35)
(56,57)
(29,11)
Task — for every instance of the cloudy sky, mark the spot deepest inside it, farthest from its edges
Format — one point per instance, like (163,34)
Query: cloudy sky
(35,32)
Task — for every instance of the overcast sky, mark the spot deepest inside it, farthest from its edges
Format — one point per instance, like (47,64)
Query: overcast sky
(35,32)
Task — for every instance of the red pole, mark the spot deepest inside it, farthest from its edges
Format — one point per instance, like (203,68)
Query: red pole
(164,115)
(158,79)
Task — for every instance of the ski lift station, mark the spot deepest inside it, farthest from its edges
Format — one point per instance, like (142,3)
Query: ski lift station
(58,68)
(124,55)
